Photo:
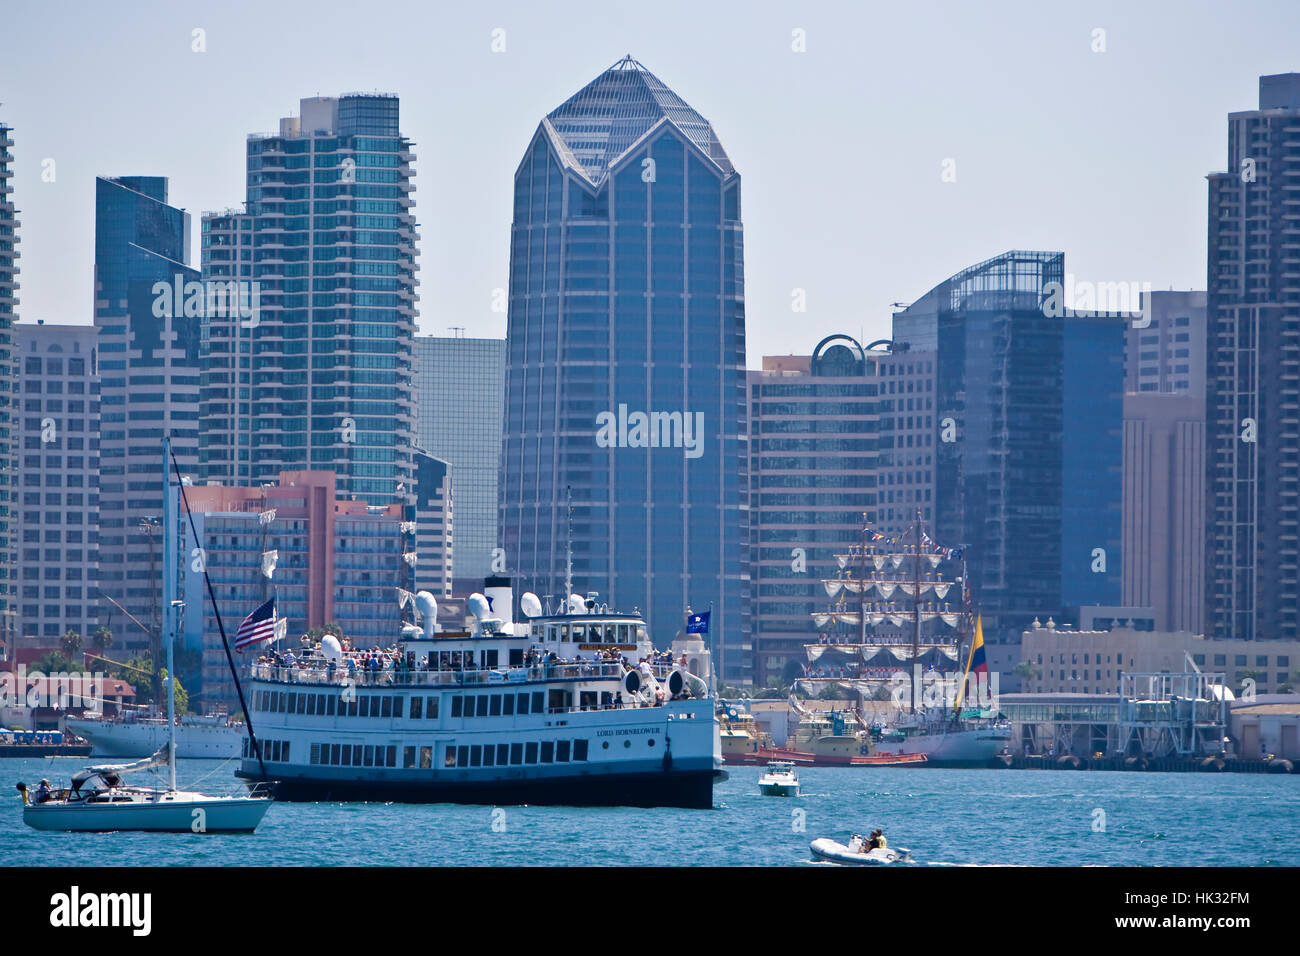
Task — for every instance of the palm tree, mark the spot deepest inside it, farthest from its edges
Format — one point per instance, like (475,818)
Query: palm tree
(71,644)
(101,638)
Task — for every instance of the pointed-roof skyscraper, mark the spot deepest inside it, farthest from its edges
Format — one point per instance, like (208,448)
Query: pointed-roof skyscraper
(625,378)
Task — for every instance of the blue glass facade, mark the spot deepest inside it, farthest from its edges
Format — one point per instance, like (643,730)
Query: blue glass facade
(149,383)
(626,299)
(1092,463)
(1031,482)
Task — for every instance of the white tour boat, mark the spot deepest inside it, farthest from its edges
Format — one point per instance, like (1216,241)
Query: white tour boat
(779,780)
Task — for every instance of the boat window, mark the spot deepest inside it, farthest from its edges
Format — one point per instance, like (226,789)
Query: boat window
(334,753)
(562,751)
(313,757)
(387,707)
(640,632)
(580,750)
(462,756)
(431,708)
(516,657)
(516,753)
(538,703)
(579,633)
(302,703)
(293,703)
(564,632)
(280,702)
(530,753)
(408,758)
(347,755)
(523,704)
(455,706)
(489,755)
(417,707)
(624,634)
(548,751)
(490,658)
(426,757)
(495,709)
(390,755)
(330,703)
(482,705)
(476,755)
(368,756)
(363,703)
(503,754)
(508,705)
(449,758)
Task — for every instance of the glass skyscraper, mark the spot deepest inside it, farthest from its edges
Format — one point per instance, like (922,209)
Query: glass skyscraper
(460,387)
(1029,449)
(625,374)
(149,388)
(314,369)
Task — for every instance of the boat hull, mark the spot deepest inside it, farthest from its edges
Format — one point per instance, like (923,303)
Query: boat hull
(953,748)
(686,789)
(805,759)
(830,851)
(218,815)
(779,789)
(109,738)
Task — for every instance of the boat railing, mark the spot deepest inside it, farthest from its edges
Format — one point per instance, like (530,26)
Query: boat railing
(340,676)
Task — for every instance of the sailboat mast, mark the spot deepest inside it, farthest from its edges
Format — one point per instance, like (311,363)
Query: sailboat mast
(862,592)
(170,604)
(916,609)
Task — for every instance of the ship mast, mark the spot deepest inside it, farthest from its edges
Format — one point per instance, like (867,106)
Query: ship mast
(916,610)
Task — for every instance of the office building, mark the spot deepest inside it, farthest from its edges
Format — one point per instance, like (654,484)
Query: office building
(1252,458)
(312,367)
(460,391)
(1028,450)
(814,447)
(338,561)
(436,528)
(625,368)
(58,526)
(1166,345)
(149,387)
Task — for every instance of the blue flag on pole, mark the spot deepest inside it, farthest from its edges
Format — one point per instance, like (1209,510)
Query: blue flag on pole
(698,623)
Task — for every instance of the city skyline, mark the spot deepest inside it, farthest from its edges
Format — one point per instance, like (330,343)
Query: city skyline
(1141,160)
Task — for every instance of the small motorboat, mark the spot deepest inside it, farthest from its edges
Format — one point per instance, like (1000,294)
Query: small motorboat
(829,851)
(779,780)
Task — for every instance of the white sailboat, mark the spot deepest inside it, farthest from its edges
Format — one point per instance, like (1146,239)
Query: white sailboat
(98,801)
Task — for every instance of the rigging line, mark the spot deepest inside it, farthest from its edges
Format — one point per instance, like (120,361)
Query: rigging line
(212,596)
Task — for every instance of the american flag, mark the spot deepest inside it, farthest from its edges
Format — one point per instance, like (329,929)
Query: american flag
(257,627)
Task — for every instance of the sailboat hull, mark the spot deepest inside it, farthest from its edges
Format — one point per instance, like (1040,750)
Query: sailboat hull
(168,814)
(960,748)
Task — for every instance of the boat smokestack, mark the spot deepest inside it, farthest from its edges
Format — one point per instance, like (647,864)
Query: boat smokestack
(501,597)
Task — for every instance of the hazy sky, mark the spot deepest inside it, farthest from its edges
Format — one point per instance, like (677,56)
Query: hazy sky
(841,147)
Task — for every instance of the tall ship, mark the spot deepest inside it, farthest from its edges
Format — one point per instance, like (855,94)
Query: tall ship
(573,707)
(138,734)
(893,631)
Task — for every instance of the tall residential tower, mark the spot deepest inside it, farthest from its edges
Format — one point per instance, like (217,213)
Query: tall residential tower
(1252,387)
(312,370)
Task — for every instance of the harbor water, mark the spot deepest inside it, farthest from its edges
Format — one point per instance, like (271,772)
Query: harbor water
(945,817)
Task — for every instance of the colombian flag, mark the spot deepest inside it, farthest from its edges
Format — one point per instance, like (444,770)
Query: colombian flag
(976,663)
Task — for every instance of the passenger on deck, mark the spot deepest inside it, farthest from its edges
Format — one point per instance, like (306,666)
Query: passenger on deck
(42,792)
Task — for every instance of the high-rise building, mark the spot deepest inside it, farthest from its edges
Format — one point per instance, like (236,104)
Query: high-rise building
(435,528)
(337,561)
(625,369)
(460,391)
(908,432)
(1252,383)
(313,368)
(1164,508)
(149,386)
(8,397)
(58,524)
(814,441)
(1039,521)
(1166,345)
